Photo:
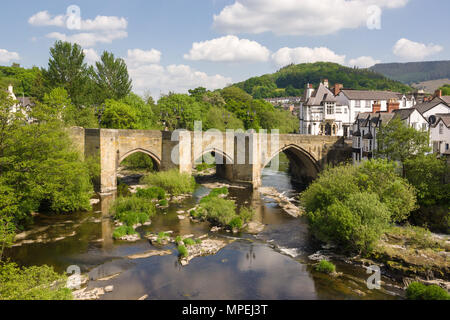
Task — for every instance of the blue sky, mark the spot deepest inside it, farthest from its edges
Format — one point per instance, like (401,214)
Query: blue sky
(180,44)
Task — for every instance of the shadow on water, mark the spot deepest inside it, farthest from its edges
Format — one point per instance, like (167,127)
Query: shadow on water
(271,265)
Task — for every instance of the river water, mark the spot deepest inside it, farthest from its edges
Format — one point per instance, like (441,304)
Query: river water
(271,265)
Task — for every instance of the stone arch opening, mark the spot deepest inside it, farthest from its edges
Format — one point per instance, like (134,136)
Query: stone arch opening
(133,165)
(301,166)
(215,162)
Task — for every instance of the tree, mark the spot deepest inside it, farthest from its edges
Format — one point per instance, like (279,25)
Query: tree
(111,77)
(399,142)
(180,111)
(67,69)
(119,115)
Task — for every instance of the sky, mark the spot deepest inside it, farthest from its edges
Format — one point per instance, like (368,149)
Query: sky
(176,45)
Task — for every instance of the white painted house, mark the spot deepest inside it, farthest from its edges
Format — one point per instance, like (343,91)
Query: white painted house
(363,101)
(440,134)
(321,114)
(432,108)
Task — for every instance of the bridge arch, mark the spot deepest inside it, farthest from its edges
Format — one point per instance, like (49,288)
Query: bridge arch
(227,159)
(303,164)
(155,159)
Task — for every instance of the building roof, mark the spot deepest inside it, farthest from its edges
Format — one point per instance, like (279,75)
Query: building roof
(370,95)
(446,100)
(404,114)
(25,101)
(375,118)
(427,106)
(445,119)
(322,94)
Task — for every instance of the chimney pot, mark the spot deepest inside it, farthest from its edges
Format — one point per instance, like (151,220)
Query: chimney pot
(438,93)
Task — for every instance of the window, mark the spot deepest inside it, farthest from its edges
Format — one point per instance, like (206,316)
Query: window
(357,103)
(441,129)
(424,126)
(446,147)
(368,104)
(330,109)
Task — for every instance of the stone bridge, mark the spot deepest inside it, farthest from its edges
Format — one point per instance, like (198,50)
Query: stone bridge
(240,157)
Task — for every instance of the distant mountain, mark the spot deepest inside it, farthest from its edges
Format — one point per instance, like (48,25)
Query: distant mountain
(414,72)
(291,80)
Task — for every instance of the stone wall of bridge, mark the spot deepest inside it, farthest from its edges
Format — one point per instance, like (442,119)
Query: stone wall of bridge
(243,155)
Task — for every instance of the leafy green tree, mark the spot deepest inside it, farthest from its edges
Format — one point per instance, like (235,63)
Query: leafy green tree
(146,118)
(445,90)
(119,115)
(180,111)
(112,78)
(220,119)
(399,142)
(67,69)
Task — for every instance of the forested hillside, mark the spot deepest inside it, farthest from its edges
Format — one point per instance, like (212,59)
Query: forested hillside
(414,72)
(291,80)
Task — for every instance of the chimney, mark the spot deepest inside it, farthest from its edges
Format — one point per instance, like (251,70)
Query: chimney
(337,88)
(10,89)
(325,83)
(376,107)
(393,105)
(438,93)
(309,91)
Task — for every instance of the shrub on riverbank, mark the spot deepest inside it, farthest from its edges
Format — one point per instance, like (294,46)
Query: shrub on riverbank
(182,250)
(325,266)
(217,210)
(419,291)
(152,193)
(353,206)
(133,210)
(33,283)
(171,181)
(123,231)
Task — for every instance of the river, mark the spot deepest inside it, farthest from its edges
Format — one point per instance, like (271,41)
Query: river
(271,265)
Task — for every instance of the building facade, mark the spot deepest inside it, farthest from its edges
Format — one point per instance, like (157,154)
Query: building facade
(440,135)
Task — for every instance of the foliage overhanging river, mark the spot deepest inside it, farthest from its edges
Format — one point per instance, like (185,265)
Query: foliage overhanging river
(271,265)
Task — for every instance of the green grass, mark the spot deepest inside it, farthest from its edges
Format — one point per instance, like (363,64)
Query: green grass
(183,251)
(133,210)
(163,203)
(123,231)
(178,240)
(162,236)
(189,241)
(236,223)
(419,291)
(123,190)
(204,166)
(171,181)
(152,193)
(325,266)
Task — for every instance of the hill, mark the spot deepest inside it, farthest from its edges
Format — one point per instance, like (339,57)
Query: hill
(291,80)
(414,72)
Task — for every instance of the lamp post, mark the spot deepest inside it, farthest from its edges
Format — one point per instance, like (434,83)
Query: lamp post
(100,110)
(163,117)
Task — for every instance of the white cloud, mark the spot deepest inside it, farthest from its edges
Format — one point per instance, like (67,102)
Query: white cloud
(410,50)
(228,49)
(43,18)
(100,23)
(175,78)
(286,56)
(363,62)
(138,57)
(7,56)
(292,17)
(87,39)
(91,56)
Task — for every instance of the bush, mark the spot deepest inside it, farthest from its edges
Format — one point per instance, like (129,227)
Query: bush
(353,205)
(325,267)
(123,231)
(218,210)
(246,214)
(219,191)
(178,240)
(133,210)
(236,223)
(189,241)
(355,224)
(123,190)
(182,250)
(419,291)
(162,236)
(172,181)
(163,203)
(152,193)
(33,283)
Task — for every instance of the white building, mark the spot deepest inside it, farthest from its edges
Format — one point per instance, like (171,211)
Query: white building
(412,118)
(432,108)
(24,103)
(363,101)
(321,114)
(440,134)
